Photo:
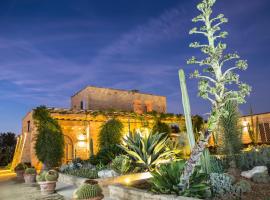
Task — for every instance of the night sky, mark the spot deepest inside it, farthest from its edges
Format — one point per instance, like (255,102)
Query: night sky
(51,49)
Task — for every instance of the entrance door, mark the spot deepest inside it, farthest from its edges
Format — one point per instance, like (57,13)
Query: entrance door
(68,151)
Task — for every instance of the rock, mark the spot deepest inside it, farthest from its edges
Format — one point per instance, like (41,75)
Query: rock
(261,178)
(250,173)
(106,173)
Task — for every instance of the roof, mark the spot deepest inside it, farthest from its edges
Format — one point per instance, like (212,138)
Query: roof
(263,113)
(134,91)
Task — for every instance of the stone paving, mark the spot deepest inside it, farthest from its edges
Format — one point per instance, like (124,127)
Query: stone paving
(13,189)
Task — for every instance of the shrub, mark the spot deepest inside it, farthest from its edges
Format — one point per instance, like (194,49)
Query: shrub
(106,155)
(110,133)
(49,144)
(121,164)
(87,191)
(147,151)
(261,178)
(31,171)
(84,173)
(20,166)
(167,178)
(161,127)
(243,186)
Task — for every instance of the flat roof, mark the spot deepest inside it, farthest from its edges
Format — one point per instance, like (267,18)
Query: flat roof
(263,113)
(134,91)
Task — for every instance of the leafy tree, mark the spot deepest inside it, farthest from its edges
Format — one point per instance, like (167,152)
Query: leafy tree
(49,145)
(231,143)
(217,79)
(161,127)
(110,133)
(7,147)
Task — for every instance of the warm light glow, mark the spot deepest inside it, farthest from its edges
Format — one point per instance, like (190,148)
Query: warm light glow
(245,126)
(127,181)
(81,137)
(81,144)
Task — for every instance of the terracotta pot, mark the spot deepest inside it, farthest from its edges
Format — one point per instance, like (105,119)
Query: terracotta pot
(29,178)
(19,174)
(47,187)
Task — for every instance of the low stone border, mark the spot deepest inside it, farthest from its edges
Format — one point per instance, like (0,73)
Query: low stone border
(71,180)
(120,192)
(123,179)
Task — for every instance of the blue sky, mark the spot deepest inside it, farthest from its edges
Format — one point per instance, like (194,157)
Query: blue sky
(51,49)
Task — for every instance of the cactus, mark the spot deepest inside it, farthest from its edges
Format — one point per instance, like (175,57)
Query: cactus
(261,178)
(222,184)
(205,161)
(242,186)
(87,191)
(84,172)
(51,175)
(186,106)
(253,129)
(41,176)
(121,164)
(91,147)
(30,170)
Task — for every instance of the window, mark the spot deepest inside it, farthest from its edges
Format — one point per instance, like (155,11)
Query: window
(28,126)
(81,105)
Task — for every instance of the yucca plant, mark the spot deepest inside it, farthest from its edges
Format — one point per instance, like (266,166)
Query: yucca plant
(147,150)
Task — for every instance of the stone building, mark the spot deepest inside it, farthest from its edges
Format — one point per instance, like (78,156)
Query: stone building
(97,98)
(90,108)
(261,125)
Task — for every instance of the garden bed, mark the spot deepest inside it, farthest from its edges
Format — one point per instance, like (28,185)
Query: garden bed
(120,192)
(122,179)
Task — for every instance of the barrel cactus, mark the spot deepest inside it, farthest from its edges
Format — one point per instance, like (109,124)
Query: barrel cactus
(51,175)
(89,191)
(31,171)
(41,176)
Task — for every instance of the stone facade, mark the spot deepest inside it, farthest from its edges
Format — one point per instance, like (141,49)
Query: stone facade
(96,98)
(261,123)
(78,128)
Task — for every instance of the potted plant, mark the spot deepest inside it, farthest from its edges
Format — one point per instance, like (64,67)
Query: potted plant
(47,181)
(30,175)
(19,169)
(89,190)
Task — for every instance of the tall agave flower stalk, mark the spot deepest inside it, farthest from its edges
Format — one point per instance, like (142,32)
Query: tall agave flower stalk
(216,77)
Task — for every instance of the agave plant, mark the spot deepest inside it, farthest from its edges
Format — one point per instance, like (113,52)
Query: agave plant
(166,180)
(148,150)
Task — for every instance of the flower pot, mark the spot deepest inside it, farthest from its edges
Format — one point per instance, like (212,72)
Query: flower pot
(19,174)
(47,187)
(29,178)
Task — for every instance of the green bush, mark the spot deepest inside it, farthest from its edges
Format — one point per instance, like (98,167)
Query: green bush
(161,127)
(243,186)
(84,173)
(110,133)
(49,144)
(147,151)
(167,178)
(121,164)
(20,166)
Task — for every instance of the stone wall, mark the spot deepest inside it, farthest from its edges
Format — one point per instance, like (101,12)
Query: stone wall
(94,98)
(119,192)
